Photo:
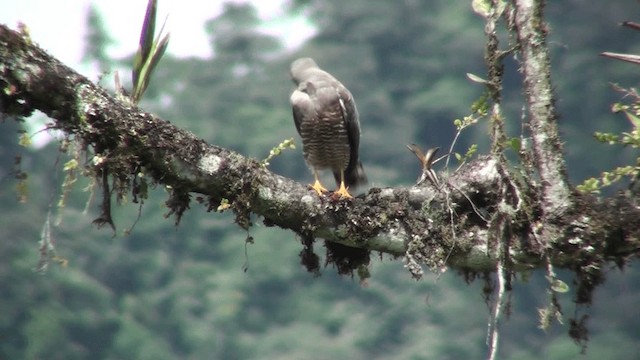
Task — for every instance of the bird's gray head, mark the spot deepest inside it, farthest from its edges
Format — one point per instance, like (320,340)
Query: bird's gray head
(299,66)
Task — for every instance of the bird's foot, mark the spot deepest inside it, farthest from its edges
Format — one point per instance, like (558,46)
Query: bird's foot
(319,189)
(341,193)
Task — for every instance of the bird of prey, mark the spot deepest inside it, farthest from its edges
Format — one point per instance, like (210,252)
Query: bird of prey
(326,118)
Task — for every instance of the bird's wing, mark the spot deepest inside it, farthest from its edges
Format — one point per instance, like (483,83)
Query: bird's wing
(352,123)
(302,106)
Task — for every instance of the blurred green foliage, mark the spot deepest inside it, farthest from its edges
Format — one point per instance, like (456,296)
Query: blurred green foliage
(166,292)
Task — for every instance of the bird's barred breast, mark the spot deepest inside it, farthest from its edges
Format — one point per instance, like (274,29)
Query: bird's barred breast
(325,140)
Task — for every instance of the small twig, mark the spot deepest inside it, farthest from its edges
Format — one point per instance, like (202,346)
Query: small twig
(135,222)
(496,312)
(453,143)
(451,215)
(473,205)
(634,59)
(632,25)
(453,226)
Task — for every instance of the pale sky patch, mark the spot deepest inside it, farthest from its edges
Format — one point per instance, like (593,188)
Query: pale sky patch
(60,28)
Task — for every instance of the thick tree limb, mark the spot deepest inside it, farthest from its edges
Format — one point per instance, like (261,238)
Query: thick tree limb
(429,227)
(547,149)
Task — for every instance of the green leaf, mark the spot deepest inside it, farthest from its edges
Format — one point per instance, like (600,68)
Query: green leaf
(606,137)
(149,53)
(146,40)
(472,150)
(277,150)
(559,286)
(476,78)
(617,107)
(158,53)
(515,144)
(481,7)
(633,119)
(70,165)
(591,185)
(25,140)
(484,7)
(148,28)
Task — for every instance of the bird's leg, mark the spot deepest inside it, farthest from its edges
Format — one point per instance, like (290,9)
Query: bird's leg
(317,186)
(342,190)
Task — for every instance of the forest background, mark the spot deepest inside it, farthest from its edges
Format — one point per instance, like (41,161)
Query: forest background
(199,291)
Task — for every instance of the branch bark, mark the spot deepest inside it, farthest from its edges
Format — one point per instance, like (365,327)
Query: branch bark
(427,227)
(547,149)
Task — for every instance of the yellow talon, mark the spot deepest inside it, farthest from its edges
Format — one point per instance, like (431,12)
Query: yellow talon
(343,192)
(317,186)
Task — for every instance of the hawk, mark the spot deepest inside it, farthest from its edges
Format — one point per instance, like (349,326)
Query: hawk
(326,118)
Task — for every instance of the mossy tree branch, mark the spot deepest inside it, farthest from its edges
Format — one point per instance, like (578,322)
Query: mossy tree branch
(531,32)
(414,222)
